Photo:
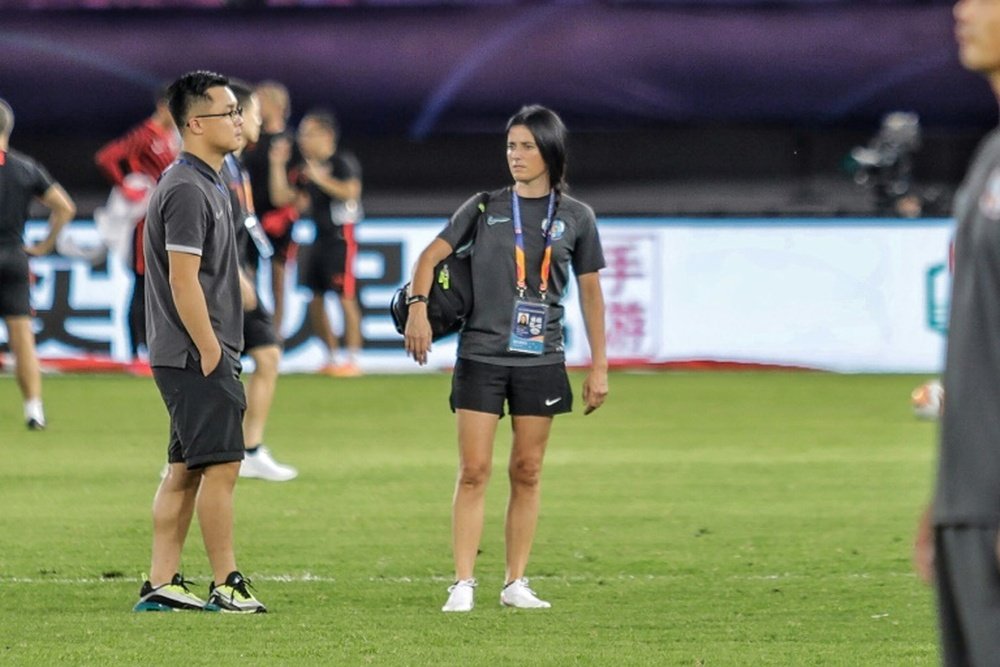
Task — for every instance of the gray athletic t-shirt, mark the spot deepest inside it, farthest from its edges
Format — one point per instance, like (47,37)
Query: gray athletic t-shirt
(968,480)
(494,280)
(190,212)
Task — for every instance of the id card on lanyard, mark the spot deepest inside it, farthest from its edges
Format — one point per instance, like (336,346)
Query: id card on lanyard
(254,229)
(530,316)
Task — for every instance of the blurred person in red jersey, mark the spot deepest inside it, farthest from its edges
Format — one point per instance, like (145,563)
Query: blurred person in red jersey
(132,164)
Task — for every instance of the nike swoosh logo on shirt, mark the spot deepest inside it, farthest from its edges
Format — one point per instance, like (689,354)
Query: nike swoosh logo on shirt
(495,220)
(549,402)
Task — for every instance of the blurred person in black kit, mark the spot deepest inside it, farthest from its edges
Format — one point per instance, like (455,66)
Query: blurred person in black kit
(274,207)
(133,163)
(328,181)
(194,320)
(510,350)
(260,341)
(22,180)
(957,548)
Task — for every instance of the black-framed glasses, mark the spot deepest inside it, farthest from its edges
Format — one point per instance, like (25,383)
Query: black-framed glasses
(233,115)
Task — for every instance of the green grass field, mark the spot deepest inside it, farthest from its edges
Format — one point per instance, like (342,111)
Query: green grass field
(696,519)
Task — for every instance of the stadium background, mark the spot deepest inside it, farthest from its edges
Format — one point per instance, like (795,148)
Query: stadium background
(698,518)
(680,112)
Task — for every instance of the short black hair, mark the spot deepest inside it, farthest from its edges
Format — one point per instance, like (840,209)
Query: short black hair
(183,92)
(550,135)
(242,90)
(325,118)
(6,119)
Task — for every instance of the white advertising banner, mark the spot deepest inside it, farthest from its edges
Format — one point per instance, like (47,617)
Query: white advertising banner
(837,294)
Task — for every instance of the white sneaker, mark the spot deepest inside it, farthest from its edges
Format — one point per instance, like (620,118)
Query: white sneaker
(460,596)
(263,466)
(34,415)
(517,594)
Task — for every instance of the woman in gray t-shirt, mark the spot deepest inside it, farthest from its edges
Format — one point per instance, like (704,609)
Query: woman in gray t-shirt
(511,348)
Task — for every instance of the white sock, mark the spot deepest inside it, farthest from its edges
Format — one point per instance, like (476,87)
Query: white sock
(33,410)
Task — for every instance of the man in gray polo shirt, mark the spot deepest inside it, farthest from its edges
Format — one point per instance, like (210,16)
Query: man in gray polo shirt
(194,320)
(956,546)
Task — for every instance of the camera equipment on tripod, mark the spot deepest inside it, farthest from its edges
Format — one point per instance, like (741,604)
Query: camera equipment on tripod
(886,163)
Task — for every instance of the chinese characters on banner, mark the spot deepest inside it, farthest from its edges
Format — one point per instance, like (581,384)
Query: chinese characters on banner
(630,283)
(834,294)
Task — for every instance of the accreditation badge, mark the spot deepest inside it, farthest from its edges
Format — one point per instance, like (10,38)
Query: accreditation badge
(527,327)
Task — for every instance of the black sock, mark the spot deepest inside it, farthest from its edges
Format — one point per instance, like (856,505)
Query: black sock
(252,450)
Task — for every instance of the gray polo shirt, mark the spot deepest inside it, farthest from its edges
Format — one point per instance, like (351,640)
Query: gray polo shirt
(968,480)
(494,279)
(190,212)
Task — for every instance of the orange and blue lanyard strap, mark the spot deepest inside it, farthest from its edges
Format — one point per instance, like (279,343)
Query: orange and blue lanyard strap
(519,260)
(247,191)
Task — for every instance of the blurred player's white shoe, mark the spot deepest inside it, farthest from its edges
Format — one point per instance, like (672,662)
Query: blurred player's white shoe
(517,594)
(261,465)
(34,415)
(460,596)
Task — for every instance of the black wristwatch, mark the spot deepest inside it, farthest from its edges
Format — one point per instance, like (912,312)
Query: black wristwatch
(416,298)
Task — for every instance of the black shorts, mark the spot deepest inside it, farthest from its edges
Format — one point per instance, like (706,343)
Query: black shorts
(281,244)
(330,265)
(258,328)
(529,390)
(15,283)
(206,413)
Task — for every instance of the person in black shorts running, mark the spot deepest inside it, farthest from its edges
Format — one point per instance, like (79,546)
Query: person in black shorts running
(21,180)
(510,351)
(194,322)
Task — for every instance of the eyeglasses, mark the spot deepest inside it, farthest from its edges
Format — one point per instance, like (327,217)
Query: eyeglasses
(233,115)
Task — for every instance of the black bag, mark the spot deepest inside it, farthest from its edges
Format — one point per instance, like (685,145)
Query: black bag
(450,299)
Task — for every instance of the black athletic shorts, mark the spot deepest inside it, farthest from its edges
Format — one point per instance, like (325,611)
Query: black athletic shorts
(281,244)
(206,413)
(258,328)
(330,265)
(15,283)
(528,390)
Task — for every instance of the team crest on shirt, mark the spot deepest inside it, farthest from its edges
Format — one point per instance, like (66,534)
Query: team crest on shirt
(989,201)
(558,228)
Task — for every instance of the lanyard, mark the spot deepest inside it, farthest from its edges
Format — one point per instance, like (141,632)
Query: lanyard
(519,260)
(247,191)
(243,189)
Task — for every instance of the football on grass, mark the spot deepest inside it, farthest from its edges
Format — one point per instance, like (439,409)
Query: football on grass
(928,400)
